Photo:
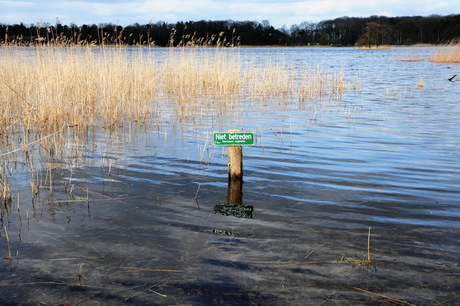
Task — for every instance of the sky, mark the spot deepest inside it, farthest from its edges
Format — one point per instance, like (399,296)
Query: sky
(279,13)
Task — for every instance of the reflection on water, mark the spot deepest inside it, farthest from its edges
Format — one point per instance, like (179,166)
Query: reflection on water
(239,211)
(136,219)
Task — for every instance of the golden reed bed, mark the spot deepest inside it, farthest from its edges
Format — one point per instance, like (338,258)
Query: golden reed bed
(46,88)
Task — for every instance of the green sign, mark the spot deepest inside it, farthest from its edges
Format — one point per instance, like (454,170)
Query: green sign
(233,138)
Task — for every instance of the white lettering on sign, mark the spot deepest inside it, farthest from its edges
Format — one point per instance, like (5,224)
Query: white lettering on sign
(240,136)
(221,136)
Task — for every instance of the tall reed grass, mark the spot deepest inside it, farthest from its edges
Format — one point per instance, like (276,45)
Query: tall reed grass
(48,88)
(45,90)
(449,53)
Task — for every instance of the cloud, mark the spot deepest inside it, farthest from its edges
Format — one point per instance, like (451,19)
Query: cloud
(277,12)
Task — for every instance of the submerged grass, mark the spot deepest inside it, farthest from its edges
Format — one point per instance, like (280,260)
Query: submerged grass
(412,57)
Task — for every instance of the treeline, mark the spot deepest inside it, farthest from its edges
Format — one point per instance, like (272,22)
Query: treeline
(434,29)
(344,31)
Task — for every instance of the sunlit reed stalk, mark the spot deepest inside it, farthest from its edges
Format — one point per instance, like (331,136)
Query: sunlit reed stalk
(204,149)
(8,244)
(197,191)
(369,247)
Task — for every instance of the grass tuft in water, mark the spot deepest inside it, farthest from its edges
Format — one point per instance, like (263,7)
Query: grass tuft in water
(366,262)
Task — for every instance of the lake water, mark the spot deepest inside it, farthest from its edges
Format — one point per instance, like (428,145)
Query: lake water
(384,158)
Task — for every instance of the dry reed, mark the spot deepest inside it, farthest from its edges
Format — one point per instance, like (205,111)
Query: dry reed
(449,53)
(366,263)
(10,257)
(374,47)
(410,56)
(45,90)
(5,193)
(420,84)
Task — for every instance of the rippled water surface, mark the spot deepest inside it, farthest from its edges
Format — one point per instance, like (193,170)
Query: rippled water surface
(382,160)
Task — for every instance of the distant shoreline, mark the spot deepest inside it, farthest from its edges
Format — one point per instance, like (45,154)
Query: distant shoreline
(344,31)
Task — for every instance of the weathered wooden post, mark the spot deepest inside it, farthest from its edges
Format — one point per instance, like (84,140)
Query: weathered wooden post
(235,161)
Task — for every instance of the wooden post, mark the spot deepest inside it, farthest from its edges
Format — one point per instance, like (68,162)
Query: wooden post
(235,192)
(235,163)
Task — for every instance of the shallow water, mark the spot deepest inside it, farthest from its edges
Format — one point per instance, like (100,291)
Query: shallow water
(384,158)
